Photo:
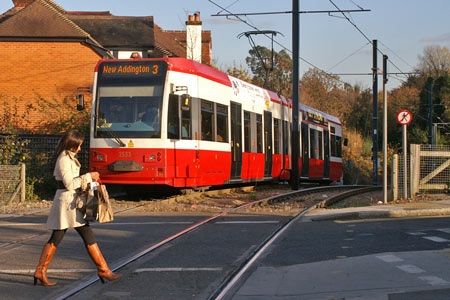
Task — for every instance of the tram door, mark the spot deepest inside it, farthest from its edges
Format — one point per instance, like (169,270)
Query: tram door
(326,145)
(305,150)
(236,141)
(268,143)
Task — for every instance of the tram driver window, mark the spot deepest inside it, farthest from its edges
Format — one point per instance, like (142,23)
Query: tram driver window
(186,123)
(207,121)
(173,119)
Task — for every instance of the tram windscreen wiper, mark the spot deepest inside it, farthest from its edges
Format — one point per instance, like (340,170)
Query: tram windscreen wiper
(115,137)
(112,134)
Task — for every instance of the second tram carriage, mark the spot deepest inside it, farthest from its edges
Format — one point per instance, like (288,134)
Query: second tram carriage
(179,123)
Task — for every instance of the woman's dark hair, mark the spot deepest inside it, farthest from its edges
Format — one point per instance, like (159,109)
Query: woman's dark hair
(69,141)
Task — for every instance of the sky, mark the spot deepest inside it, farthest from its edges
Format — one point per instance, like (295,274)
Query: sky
(403,28)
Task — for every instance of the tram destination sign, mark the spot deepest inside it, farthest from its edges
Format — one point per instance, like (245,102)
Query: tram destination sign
(131,70)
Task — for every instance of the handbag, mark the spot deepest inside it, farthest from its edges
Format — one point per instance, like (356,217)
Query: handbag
(105,211)
(95,205)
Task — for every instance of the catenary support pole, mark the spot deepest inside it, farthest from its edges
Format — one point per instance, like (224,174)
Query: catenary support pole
(295,94)
(385,137)
(375,113)
(431,141)
(405,162)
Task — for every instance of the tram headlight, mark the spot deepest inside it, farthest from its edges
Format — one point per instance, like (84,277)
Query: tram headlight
(99,157)
(152,157)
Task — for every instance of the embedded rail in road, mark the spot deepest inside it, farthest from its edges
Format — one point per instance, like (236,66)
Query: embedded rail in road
(234,276)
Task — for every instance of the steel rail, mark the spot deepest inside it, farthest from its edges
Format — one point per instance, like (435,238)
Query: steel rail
(86,283)
(233,278)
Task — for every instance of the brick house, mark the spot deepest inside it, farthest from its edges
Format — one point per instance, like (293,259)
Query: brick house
(49,53)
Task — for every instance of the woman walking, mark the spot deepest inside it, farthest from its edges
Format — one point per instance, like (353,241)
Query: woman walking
(63,213)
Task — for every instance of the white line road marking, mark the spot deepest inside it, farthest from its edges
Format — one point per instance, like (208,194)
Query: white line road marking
(434,280)
(21,224)
(176,269)
(389,258)
(445,230)
(248,222)
(411,269)
(98,224)
(416,233)
(435,239)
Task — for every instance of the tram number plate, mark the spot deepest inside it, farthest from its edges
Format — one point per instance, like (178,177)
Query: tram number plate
(124,154)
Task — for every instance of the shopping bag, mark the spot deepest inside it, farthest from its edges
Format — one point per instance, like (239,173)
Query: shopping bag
(91,207)
(105,211)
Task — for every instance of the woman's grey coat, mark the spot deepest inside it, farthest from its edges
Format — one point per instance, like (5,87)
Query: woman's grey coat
(63,213)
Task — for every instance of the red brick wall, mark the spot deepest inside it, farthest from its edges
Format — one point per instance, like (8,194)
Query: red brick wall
(51,70)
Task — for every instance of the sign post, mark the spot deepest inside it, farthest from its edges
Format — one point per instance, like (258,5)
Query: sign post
(404,117)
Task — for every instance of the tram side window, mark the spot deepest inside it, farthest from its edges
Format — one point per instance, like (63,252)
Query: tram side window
(287,138)
(316,142)
(173,119)
(222,123)
(276,136)
(247,122)
(336,143)
(336,146)
(259,140)
(207,121)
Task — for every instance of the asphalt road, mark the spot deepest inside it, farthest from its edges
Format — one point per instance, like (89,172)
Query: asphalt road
(395,259)
(189,267)
(192,266)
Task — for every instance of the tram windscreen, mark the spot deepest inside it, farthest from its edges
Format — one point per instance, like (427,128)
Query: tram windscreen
(129,99)
(129,111)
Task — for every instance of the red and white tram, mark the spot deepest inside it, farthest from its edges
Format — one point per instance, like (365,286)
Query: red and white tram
(179,123)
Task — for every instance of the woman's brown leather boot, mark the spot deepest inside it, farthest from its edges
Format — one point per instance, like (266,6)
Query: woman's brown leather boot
(102,268)
(41,270)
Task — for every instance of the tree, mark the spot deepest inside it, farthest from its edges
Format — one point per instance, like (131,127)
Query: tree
(239,72)
(433,66)
(323,92)
(279,79)
(434,62)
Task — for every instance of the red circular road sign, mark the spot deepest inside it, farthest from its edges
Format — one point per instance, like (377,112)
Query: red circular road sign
(404,117)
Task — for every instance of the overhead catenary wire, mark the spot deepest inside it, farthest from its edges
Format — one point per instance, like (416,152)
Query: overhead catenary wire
(238,18)
(347,57)
(367,38)
(275,41)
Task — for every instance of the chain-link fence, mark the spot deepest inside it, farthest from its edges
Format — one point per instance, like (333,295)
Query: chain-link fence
(434,168)
(403,182)
(43,146)
(37,151)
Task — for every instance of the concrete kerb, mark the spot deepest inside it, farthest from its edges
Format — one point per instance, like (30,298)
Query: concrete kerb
(367,213)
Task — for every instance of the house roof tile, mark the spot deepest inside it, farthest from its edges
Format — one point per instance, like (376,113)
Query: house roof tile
(116,31)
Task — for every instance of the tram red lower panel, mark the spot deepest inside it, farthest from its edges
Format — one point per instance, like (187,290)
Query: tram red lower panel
(178,168)
(190,168)
(335,171)
(252,165)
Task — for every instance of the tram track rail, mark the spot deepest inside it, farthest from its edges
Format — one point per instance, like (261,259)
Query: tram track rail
(233,277)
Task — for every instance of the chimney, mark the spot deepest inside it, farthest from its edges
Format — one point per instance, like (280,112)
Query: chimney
(22,3)
(194,37)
